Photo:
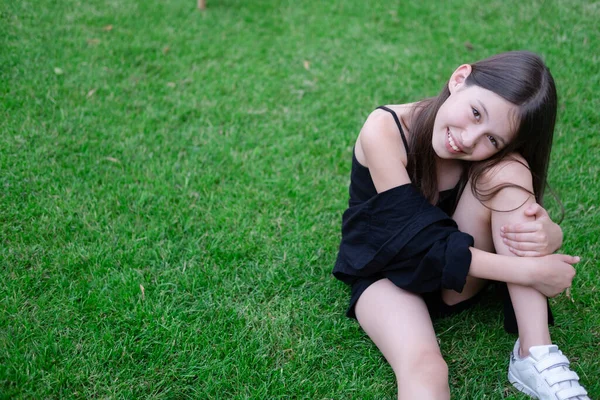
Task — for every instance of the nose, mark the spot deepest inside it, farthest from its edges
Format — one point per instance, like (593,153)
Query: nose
(470,137)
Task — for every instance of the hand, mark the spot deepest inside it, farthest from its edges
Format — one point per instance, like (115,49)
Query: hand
(533,239)
(553,273)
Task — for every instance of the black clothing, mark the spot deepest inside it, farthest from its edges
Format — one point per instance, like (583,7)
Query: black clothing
(398,235)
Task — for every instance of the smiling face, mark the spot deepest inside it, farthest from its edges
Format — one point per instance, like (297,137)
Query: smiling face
(474,123)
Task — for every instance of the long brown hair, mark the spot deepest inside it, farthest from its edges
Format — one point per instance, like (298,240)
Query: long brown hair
(520,77)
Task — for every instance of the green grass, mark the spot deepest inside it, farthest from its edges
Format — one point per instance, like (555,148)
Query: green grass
(204,157)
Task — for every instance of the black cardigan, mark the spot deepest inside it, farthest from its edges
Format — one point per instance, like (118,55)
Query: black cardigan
(399,235)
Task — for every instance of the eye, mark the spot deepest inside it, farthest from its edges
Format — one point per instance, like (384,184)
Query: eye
(476,113)
(493,141)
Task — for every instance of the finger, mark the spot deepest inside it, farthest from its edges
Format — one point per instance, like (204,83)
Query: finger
(522,253)
(537,211)
(524,246)
(522,237)
(570,259)
(533,209)
(520,228)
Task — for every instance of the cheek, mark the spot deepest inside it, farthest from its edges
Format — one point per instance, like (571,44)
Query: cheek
(486,153)
(444,114)
(438,119)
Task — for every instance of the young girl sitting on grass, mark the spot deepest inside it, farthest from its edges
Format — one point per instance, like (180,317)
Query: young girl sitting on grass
(478,152)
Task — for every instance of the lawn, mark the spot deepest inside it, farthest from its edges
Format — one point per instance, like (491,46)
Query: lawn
(173,182)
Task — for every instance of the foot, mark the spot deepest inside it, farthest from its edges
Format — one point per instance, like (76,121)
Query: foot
(545,374)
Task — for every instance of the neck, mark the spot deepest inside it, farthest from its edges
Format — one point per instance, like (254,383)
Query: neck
(448,172)
(448,163)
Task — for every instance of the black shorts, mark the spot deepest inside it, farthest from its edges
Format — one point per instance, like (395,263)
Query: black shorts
(436,306)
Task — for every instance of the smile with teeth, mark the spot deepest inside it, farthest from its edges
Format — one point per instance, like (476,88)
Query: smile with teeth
(452,144)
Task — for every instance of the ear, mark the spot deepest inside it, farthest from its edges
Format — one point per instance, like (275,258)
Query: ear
(458,78)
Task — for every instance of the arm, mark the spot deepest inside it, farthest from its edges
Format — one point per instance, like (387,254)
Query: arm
(500,268)
(550,275)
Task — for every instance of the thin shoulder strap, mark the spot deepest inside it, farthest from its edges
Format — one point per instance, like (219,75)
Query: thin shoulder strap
(398,124)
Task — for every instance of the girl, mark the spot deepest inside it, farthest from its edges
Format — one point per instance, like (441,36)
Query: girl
(478,152)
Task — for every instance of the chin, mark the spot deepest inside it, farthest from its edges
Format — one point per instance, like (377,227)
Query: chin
(442,154)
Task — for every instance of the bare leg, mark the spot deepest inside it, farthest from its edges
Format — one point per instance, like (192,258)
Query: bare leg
(398,322)
(484,225)
(475,219)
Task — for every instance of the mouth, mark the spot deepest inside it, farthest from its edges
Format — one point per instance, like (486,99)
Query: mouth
(452,144)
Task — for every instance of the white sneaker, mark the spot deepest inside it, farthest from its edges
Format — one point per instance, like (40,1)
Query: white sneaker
(545,374)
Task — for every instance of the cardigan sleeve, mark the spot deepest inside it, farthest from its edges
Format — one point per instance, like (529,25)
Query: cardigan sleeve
(399,235)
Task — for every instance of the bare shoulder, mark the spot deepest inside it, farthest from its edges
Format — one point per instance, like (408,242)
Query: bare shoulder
(378,136)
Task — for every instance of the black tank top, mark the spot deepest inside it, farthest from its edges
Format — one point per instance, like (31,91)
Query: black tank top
(362,187)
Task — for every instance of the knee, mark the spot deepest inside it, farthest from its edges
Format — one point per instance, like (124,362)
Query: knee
(425,376)
(432,366)
(426,369)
